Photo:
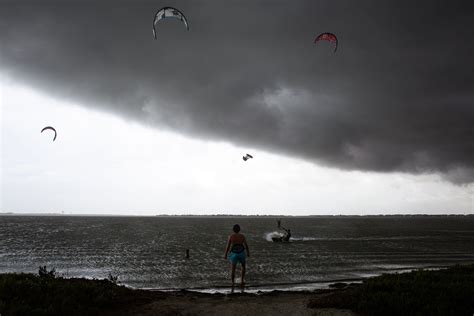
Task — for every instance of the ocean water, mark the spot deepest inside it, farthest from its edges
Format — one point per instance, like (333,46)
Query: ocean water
(149,252)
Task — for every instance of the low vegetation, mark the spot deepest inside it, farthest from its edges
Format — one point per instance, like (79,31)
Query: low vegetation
(47,294)
(422,292)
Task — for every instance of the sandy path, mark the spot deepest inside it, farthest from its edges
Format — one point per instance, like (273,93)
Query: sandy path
(275,303)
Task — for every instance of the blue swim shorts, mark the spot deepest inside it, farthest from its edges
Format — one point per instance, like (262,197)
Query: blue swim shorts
(237,257)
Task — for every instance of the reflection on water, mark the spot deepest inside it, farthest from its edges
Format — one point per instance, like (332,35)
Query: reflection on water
(149,252)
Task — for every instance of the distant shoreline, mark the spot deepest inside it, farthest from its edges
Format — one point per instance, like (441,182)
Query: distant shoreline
(231,215)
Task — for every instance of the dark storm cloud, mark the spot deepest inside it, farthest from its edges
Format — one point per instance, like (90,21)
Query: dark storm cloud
(397,96)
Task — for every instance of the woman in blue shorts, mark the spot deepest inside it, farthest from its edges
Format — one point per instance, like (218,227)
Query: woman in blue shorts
(237,245)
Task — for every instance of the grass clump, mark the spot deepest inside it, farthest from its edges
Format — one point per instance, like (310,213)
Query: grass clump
(421,292)
(46,294)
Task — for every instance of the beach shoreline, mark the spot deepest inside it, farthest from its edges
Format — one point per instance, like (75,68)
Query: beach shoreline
(103,297)
(296,286)
(427,292)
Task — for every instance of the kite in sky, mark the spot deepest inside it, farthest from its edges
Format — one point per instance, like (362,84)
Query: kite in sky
(51,128)
(168,12)
(247,156)
(327,37)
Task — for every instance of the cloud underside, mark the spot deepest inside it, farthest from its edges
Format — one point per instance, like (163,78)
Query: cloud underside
(396,96)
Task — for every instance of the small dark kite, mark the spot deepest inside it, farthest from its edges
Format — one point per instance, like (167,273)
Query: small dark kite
(51,128)
(327,37)
(246,157)
(168,12)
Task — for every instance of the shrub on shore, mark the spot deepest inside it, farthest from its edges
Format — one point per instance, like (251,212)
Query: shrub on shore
(422,292)
(46,294)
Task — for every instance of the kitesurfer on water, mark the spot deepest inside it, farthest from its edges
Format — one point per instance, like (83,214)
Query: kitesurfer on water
(237,245)
(287,235)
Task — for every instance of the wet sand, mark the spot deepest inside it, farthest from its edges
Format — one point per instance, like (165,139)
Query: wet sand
(270,303)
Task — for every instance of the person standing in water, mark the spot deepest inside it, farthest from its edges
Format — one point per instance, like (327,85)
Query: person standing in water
(287,235)
(237,245)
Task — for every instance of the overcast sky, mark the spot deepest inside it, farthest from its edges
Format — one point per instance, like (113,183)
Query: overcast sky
(383,125)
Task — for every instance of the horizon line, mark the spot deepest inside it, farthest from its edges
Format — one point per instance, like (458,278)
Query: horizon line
(230,215)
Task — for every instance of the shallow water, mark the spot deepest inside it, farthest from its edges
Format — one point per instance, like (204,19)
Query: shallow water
(149,252)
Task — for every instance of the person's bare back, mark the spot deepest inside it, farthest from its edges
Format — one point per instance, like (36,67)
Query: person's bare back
(237,238)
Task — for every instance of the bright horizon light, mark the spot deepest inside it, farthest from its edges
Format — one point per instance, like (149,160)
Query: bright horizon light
(103,164)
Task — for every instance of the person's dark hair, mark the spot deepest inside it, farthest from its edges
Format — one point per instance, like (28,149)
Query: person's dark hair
(236,228)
